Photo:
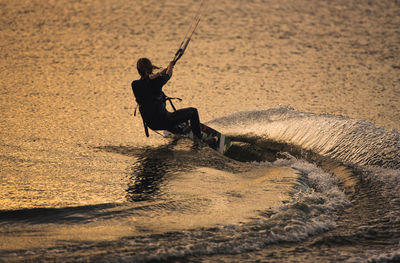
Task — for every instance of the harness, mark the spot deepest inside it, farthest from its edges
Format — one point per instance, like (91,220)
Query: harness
(164,99)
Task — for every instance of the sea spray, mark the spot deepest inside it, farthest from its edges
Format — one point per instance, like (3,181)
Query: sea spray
(337,137)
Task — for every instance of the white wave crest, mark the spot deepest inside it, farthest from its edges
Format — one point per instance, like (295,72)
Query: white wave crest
(337,137)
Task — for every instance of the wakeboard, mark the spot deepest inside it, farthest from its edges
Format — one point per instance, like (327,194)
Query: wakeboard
(215,139)
(209,136)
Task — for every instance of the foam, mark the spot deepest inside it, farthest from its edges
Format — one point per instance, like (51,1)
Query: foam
(385,257)
(340,138)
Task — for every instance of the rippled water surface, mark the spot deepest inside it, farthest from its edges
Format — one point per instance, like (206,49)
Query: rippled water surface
(307,90)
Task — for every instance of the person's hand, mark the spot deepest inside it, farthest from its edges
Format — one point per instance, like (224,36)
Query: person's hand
(169,68)
(163,71)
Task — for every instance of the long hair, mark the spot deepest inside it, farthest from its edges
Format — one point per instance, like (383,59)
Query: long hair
(144,67)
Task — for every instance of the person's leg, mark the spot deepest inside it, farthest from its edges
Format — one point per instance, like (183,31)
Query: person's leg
(183,115)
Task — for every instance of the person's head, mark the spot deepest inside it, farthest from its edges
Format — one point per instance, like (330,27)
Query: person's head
(144,67)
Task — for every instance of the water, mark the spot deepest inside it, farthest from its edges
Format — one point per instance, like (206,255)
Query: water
(315,179)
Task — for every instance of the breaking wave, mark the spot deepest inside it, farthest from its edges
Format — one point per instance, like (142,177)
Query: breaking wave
(337,137)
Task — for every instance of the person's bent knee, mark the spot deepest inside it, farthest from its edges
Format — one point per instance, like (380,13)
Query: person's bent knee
(193,110)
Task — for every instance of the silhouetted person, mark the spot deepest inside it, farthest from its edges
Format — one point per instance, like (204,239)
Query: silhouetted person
(152,100)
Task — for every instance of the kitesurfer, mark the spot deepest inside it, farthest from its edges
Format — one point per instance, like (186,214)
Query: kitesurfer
(152,100)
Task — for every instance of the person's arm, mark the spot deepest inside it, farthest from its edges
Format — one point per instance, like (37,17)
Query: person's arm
(166,71)
(170,68)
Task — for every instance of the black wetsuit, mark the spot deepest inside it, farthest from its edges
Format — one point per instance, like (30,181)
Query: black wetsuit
(151,100)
